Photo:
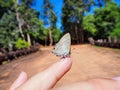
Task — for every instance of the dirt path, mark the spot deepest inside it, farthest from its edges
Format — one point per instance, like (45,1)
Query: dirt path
(88,62)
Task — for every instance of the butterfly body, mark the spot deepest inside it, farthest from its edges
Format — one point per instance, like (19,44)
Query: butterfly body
(62,48)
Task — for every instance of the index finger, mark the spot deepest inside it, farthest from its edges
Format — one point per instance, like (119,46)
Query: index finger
(48,78)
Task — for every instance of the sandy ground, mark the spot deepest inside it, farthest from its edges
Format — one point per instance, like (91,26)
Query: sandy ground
(88,62)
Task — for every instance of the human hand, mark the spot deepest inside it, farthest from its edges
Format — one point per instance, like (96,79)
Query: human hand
(48,78)
(44,80)
(94,84)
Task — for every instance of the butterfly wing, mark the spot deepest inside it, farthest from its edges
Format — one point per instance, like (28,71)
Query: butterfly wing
(62,48)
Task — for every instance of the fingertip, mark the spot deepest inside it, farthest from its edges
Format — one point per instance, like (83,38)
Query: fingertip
(66,58)
(67,62)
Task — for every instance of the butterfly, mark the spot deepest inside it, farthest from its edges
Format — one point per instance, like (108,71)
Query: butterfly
(62,48)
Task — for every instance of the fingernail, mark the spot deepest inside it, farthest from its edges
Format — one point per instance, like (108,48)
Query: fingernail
(66,61)
(116,78)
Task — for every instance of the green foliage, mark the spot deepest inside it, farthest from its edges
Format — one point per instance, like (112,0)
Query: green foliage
(10,33)
(30,18)
(21,44)
(88,24)
(106,20)
(53,19)
(49,15)
(43,34)
(8,29)
(50,20)
(6,3)
(103,23)
(5,6)
(72,17)
(56,34)
(116,31)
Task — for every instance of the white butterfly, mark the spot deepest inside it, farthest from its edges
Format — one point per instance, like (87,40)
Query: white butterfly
(62,48)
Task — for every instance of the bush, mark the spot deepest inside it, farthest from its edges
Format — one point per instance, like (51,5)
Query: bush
(21,44)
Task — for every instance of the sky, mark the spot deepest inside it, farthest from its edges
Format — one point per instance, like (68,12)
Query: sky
(58,8)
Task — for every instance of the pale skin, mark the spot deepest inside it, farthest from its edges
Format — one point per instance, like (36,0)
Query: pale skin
(47,79)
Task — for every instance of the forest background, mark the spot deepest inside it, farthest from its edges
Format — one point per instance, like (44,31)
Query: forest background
(22,26)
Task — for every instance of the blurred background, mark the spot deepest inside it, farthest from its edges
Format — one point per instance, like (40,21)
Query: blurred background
(29,29)
(44,21)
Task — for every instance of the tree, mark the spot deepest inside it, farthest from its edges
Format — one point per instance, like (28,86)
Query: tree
(72,17)
(8,30)
(105,22)
(18,20)
(49,18)
(116,31)
(26,21)
(107,19)
(88,24)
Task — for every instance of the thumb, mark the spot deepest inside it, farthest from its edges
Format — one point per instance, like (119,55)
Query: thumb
(22,78)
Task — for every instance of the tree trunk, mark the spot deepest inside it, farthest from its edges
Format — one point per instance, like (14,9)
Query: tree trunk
(28,36)
(20,21)
(20,26)
(45,41)
(28,39)
(10,48)
(50,37)
(76,32)
(81,35)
